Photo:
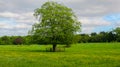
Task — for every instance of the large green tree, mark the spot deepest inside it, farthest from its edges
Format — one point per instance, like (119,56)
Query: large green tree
(57,24)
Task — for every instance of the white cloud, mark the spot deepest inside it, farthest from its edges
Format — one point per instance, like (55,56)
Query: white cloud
(72,1)
(20,13)
(17,29)
(89,24)
(87,29)
(4,25)
(16,15)
(94,22)
(16,23)
(91,11)
(19,17)
(8,15)
(117,24)
(22,26)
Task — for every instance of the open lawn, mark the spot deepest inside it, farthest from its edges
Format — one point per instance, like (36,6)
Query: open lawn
(79,55)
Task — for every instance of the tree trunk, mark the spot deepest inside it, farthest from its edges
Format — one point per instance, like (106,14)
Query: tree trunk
(54,47)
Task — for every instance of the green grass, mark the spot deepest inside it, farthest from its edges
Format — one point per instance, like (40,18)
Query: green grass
(79,55)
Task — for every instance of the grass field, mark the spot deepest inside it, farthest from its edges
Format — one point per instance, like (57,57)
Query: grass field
(79,55)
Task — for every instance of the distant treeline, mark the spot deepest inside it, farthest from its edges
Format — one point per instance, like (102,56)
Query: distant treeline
(111,36)
(100,37)
(16,40)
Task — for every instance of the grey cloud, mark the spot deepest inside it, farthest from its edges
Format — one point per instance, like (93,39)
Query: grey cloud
(117,24)
(87,29)
(12,32)
(82,7)
(26,18)
(21,5)
(19,29)
(90,24)
(95,7)
(21,12)
(94,22)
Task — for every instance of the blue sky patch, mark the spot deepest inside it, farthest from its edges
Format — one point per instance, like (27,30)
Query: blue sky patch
(112,17)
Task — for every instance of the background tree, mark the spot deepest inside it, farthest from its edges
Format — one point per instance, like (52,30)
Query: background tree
(93,34)
(117,33)
(57,24)
(18,41)
(5,40)
(83,38)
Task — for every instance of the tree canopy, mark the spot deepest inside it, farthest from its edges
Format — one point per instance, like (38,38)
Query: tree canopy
(57,24)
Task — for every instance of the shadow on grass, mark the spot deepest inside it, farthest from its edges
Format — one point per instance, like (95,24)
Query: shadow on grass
(40,50)
(30,50)
(35,50)
(44,50)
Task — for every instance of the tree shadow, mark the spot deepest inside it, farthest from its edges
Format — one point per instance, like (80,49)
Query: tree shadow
(41,50)
(35,50)
(48,50)
(29,50)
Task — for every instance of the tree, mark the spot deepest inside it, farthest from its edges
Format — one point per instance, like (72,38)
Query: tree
(5,40)
(117,33)
(117,30)
(103,36)
(93,34)
(18,41)
(57,24)
(83,38)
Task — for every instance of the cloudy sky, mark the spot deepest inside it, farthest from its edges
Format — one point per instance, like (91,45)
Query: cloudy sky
(16,16)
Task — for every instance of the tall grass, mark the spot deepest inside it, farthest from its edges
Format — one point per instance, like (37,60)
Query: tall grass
(79,55)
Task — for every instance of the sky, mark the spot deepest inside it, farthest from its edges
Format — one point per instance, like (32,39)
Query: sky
(16,16)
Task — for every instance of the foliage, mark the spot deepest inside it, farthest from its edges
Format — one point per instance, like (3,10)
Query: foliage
(57,24)
(18,41)
(5,40)
(111,36)
(117,32)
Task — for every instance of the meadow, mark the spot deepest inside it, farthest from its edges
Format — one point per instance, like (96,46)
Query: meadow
(78,55)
